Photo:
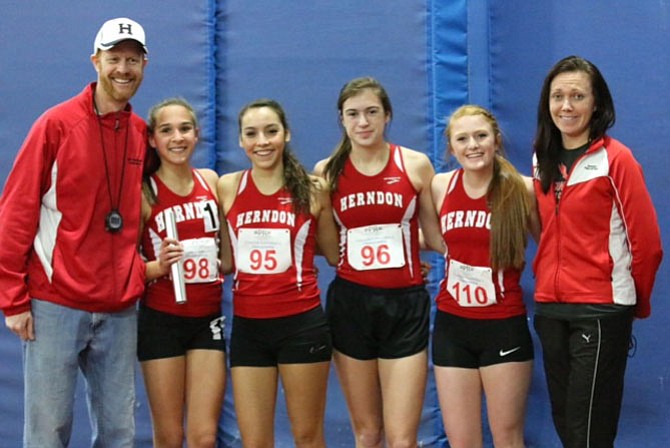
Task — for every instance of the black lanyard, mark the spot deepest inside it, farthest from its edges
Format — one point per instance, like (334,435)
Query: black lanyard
(113,220)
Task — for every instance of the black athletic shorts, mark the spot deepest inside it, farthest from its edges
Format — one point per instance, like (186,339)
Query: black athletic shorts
(370,323)
(164,335)
(299,339)
(474,343)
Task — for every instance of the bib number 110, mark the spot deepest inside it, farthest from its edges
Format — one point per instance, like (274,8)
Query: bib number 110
(469,295)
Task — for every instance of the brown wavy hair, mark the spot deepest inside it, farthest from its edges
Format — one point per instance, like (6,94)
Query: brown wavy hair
(296,178)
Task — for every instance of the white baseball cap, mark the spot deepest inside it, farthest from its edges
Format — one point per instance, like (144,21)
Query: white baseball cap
(116,30)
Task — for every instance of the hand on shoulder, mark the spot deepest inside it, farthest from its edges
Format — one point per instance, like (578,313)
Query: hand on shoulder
(319,182)
(528,181)
(320,167)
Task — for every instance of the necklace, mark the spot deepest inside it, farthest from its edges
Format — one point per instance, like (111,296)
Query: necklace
(113,220)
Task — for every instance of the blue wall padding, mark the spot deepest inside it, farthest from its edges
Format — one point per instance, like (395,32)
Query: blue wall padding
(302,55)
(431,55)
(220,55)
(479,58)
(44,58)
(448,65)
(627,41)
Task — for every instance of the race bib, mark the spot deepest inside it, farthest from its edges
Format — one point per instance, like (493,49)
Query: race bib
(201,261)
(471,286)
(263,251)
(375,247)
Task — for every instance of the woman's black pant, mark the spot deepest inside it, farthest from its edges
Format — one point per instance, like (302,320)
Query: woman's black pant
(584,363)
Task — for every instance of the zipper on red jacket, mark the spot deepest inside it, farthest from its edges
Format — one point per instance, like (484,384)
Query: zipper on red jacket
(558,241)
(558,221)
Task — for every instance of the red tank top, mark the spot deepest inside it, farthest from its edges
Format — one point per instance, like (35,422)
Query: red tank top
(273,251)
(470,288)
(377,218)
(197,219)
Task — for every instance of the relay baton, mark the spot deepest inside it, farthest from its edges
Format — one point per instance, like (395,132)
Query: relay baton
(177,269)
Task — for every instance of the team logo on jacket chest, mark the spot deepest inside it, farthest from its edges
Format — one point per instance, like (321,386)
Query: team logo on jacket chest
(371,198)
(459,219)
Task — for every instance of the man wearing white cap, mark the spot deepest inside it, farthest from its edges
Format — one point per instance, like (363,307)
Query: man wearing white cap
(70,274)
